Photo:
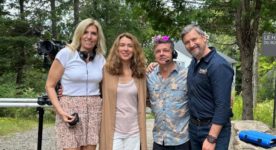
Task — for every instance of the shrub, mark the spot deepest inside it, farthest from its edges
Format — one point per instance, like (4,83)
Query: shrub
(263,111)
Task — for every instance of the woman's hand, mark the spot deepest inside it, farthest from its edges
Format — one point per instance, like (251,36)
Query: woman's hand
(66,117)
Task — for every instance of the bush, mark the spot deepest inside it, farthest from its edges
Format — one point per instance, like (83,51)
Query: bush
(8,89)
(263,111)
(266,87)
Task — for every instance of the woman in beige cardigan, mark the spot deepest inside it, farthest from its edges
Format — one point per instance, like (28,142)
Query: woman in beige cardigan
(123,124)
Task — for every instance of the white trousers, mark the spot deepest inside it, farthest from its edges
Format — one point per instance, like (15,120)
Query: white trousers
(129,143)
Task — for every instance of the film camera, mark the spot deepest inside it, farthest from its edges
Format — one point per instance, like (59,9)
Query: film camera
(49,49)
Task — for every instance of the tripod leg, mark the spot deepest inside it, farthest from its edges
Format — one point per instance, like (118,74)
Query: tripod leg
(40,126)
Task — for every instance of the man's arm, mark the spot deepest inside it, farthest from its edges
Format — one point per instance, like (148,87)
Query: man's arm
(210,141)
(151,66)
(221,80)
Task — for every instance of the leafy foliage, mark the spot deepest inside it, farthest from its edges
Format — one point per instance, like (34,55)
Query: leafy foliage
(262,112)
(243,19)
(18,35)
(267,77)
(115,18)
(166,18)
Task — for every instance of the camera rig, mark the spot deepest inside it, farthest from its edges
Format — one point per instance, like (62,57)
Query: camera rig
(48,49)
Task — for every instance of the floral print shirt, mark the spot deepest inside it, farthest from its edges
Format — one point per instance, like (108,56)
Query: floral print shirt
(169,103)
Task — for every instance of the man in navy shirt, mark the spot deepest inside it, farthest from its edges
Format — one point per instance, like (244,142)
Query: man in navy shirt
(209,84)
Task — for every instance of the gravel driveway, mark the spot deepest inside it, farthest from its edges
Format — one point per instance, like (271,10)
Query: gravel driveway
(28,140)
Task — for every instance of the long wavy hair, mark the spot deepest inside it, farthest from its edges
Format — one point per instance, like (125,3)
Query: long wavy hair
(79,31)
(137,63)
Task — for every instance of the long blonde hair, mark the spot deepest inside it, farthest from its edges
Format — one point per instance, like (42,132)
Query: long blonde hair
(137,63)
(79,31)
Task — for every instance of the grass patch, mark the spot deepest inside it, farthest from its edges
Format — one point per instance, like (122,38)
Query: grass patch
(237,108)
(12,125)
(263,111)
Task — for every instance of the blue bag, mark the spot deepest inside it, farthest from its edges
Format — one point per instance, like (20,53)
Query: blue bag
(258,138)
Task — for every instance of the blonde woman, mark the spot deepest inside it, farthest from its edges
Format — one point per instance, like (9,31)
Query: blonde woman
(79,67)
(124,95)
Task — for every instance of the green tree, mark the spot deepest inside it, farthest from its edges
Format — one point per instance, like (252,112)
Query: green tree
(244,19)
(18,37)
(267,74)
(115,17)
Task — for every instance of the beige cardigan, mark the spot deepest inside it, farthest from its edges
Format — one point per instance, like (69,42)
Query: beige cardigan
(109,92)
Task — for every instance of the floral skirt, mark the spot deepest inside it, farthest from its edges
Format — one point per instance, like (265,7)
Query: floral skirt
(86,132)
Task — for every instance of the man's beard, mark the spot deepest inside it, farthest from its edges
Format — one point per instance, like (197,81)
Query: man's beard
(197,52)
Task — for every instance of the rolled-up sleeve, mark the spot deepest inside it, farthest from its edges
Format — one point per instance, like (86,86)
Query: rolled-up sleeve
(221,80)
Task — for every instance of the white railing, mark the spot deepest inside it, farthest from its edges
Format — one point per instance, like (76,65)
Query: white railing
(22,102)
(39,103)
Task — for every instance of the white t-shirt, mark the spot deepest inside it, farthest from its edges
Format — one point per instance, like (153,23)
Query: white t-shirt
(80,78)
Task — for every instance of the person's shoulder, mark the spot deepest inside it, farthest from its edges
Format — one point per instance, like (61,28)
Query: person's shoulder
(182,69)
(108,76)
(154,71)
(181,65)
(105,71)
(141,79)
(217,57)
(219,60)
(65,51)
(100,56)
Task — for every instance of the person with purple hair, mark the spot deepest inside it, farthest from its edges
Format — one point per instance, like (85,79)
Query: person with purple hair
(167,93)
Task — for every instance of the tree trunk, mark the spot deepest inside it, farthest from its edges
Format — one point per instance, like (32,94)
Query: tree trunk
(54,19)
(247,73)
(19,67)
(21,61)
(76,12)
(21,7)
(247,22)
(255,74)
